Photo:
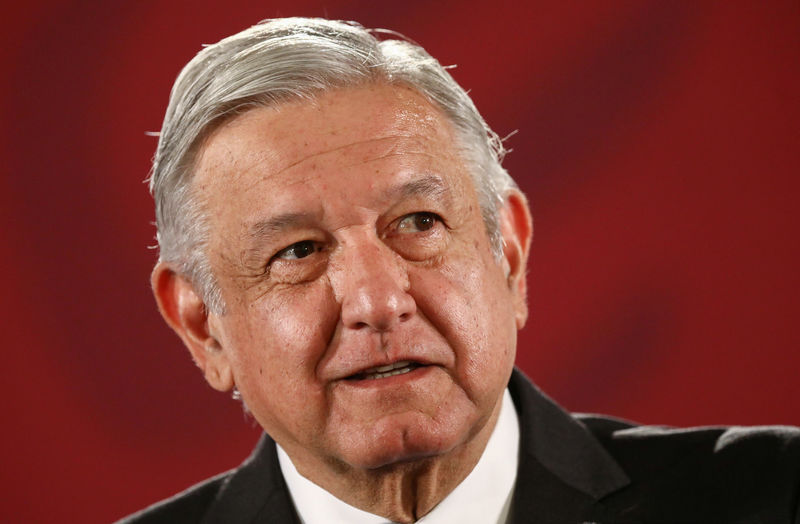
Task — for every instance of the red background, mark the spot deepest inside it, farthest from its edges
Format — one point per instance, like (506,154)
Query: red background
(659,143)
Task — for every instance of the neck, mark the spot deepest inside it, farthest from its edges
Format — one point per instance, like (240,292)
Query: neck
(406,491)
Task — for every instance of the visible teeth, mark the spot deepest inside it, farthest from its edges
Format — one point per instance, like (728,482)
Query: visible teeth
(398,368)
(389,367)
(371,376)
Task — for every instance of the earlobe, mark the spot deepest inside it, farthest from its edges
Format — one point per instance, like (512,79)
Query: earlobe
(185,312)
(516,227)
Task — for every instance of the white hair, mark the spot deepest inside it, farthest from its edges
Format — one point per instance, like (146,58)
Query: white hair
(282,60)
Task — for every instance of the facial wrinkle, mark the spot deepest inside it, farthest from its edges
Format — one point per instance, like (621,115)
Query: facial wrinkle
(392,152)
(269,228)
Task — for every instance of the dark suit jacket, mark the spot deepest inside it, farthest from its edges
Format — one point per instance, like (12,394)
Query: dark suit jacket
(572,469)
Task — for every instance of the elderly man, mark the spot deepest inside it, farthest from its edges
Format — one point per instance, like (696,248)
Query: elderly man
(342,250)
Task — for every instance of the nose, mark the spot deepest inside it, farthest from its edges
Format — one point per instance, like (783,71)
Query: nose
(372,285)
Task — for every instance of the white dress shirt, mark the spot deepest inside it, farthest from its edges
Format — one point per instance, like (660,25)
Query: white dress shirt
(484,496)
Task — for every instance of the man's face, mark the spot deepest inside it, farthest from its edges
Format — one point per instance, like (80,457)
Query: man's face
(367,321)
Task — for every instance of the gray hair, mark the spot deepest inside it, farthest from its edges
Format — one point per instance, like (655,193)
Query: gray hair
(282,60)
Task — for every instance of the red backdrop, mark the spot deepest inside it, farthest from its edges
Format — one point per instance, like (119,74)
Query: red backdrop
(659,143)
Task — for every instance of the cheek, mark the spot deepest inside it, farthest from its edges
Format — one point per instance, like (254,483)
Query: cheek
(471,307)
(276,344)
(292,324)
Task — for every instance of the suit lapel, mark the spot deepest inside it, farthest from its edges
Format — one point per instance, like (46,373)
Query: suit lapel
(563,470)
(255,493)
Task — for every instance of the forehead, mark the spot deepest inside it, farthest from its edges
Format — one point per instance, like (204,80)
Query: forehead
(372,136)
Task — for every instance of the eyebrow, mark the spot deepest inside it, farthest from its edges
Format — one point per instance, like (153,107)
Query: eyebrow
(277,224)
(428,186)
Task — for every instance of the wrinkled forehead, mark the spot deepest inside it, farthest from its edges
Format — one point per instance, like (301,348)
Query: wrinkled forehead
(341,158)
(347,127)
(358,118)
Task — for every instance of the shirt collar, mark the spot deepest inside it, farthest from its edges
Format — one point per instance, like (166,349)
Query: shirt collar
(483,496)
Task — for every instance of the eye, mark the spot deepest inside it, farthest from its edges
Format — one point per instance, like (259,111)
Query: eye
(297,250)
(418,236)
(417,222)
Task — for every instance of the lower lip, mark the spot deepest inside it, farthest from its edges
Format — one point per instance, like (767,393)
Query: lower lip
(392,381)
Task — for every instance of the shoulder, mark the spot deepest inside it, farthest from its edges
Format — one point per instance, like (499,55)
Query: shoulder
(637,473)
(627,440)
(720,472)
(188,506)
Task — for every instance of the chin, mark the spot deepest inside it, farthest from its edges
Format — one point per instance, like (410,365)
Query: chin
(402,439)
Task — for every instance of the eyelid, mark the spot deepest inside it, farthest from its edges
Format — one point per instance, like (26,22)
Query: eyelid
(436,217)
(277,256)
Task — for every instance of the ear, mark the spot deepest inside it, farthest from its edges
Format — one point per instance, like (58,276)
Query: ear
(185,312)
(516,228)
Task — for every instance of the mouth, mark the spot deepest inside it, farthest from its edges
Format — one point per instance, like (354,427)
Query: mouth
(397,368)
